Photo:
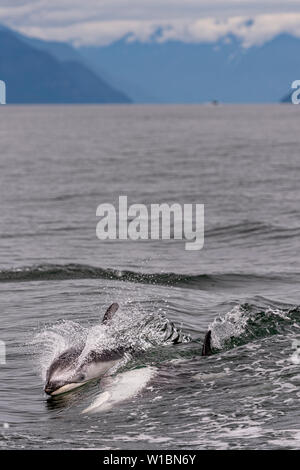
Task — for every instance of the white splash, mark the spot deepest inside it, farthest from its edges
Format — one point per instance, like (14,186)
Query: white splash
(232,324)
(122,387)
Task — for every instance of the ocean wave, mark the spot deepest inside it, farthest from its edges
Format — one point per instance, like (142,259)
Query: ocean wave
(51,272)
(246,322)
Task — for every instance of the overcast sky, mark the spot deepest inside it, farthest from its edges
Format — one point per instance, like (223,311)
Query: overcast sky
(103,21)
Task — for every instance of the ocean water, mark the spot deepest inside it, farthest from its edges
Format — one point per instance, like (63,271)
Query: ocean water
(57,164)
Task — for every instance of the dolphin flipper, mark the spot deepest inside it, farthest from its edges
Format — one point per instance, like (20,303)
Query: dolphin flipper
(110,312)
(206,348)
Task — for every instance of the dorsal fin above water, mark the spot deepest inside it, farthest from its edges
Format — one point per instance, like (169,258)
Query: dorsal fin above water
(206,348)
(110,312)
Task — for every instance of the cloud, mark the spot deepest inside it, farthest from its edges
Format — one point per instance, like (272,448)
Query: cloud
(104,21)
(251,30)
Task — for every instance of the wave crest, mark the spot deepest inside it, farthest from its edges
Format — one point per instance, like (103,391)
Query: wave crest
(247,322)
(50,272)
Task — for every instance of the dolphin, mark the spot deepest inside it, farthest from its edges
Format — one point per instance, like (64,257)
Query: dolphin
(66,373)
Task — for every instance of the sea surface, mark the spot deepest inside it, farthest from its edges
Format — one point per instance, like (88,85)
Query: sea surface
(57,164)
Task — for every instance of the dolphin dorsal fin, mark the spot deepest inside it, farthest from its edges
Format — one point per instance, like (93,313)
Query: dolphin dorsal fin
(110,312)
(206,349)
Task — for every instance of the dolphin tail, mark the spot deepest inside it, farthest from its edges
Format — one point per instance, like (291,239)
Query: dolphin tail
(206,348)
(110,312)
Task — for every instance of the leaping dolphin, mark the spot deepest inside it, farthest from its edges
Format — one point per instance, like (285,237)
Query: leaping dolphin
(67,373)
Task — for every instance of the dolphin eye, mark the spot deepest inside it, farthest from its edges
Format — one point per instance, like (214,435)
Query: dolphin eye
(81,377)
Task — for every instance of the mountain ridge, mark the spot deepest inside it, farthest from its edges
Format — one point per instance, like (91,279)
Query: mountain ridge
(179,72)
(33,75)
(152,71)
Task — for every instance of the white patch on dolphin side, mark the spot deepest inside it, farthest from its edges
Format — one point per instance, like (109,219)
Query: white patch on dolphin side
(99,368)
(121,388)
